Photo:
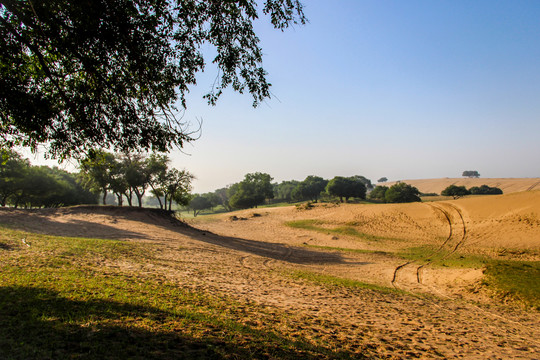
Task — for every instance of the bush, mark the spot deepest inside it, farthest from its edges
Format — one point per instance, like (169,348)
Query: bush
(455,191)
(401,193)
(485,190)
(378,193)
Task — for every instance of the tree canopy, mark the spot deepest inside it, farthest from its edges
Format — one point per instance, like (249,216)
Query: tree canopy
(402,193)
(24,185)
(455,191)
(485,190)
(345,188)
(378,193)
(471,173)
(252,191)
(107,73)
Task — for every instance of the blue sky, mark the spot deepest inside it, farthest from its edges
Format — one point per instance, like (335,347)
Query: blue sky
(402,89)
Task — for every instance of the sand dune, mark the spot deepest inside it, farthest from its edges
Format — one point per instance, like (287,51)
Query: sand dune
(507,185)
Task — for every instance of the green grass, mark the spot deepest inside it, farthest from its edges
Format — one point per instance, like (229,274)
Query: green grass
(509,279)
(358,251)
(442,258)
(517,280)
(59,299)
(346,230)
(333,281)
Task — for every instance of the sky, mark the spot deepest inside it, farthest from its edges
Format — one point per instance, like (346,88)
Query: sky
(400,89)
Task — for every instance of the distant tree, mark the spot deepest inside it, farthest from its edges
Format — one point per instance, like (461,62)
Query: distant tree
(471,174)
(13,169)
(252,191)
(402,193)
(378,193)
(156,171)
(223,196)
(213,198)
(98,171)
(367,183)
(199,203)
(345,188)
(177,187)
(485,190)
(283,191)
(383,179)
(455,191)
(310,188)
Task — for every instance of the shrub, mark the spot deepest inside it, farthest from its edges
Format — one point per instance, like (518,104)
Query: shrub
(401,192)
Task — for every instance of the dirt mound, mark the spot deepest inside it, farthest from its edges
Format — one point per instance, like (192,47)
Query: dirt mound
(90,220)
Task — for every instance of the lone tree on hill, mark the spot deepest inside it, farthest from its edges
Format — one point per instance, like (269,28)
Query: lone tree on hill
(471,174)
(79,75)
(383,179)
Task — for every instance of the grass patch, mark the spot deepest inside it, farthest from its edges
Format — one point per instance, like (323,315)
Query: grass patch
(442,258)
(334,281)
(358,251)
(323,227)
(517,280)
(58,300)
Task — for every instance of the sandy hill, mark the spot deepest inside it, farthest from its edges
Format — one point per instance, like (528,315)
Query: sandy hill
(282,270)
(507,185)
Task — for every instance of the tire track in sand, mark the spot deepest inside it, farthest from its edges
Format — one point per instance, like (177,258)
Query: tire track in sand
(452,233)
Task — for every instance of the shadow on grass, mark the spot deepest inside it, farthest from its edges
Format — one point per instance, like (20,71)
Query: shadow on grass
(37,323)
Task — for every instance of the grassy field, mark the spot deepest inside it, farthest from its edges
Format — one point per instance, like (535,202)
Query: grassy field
(58,300)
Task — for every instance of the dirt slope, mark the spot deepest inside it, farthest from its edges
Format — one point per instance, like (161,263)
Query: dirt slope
(507,185)
(251,261)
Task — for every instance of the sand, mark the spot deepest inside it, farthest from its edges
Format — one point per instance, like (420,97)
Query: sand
(247,258)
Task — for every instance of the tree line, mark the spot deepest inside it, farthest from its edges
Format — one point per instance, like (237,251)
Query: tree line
(458,191)
(129,176)
(24,185)
(257,189)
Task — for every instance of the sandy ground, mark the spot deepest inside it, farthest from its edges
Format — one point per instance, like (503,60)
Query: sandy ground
(507,185)
(247,258)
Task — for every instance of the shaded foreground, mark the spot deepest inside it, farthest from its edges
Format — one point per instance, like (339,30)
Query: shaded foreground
(109,283)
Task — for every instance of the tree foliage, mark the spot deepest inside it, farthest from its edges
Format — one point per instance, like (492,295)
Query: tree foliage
(485,190)
(383,179)
(284,190)
(309,189)
(199,203)
(108,73)
(455,191)
(252,191)
(135,173)
(23,185)
(345,188)
(402,193)
(471,174)
(378,193)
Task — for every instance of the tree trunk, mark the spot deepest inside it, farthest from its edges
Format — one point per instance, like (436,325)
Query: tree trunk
(104,197)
